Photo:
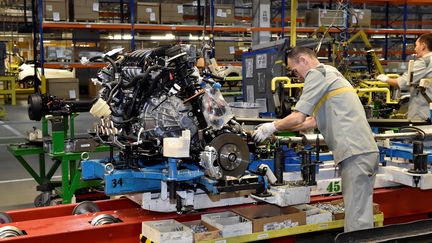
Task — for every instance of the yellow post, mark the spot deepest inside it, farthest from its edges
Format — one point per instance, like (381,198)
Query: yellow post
(293,31)
(43,84)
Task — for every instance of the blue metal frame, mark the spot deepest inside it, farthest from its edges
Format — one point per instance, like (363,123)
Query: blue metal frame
(41,38)
(149,178)
(132,16)
(283,19)
(405,16)
(403,150)
(144,179)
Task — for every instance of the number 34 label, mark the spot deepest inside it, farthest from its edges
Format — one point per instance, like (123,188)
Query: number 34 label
(117,182)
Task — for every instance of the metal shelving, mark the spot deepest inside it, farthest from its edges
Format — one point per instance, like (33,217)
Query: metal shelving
(138,30)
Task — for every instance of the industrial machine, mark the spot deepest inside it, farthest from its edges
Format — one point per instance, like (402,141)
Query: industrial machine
(178,141)
(180,147)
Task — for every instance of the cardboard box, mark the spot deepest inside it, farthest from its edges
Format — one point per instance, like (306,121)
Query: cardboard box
(65,88)
(56,10)
(225,50)
(314,215)
(211,234)
(93,89)
(270,217)
(171,13)
(324,17)
(224,13)
(229,223)
(341,215)
(361,17)
(148,13)
(86,10)
(167,231)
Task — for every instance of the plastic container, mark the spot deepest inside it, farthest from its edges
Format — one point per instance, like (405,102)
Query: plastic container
(177,147)
(245,109)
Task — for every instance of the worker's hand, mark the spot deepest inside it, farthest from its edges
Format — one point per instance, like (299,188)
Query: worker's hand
(382,78)
(264,131)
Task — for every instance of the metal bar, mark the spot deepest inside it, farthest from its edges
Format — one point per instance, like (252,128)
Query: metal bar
(53,169)
(293,30)
(387,26)
(44,127)
(66,210)
(132,20)
(100,26)
(34,30)
(72,168)
(404,44)
(65,192)
(42,167)
(29,169)
(41,38)
(283,19)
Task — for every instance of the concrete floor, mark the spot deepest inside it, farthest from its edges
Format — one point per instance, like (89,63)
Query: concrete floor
(17,187)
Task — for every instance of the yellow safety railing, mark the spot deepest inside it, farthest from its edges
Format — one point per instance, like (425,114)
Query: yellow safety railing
(287,84)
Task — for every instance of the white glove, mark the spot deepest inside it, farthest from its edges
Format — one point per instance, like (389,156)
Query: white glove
(264,131)
(382,78)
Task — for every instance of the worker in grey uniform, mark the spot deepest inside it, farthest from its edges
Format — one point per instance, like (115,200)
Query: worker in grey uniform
(418,107)
(329,103)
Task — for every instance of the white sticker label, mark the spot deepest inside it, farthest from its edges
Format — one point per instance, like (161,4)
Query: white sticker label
(261,61)
(72,94)
(228,11)
(49,8)
(180,9)
(262,236)
(96,7)
(249,67)
(149,10)
(224,15)
(56,16)
(60,53)
(219,12)
(232,50)
(152,16)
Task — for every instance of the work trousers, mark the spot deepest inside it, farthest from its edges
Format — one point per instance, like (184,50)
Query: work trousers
(358,174)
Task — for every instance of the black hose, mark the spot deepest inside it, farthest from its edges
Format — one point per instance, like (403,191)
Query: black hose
(141,76)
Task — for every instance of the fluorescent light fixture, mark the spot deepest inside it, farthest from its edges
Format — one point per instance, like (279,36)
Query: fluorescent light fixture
(119,37)
(163,37)
(378,36)
(195,37)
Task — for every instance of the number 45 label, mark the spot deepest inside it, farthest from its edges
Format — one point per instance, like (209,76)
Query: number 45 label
(328,186)
(334,186)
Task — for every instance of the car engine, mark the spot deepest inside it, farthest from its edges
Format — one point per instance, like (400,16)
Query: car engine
(152,94)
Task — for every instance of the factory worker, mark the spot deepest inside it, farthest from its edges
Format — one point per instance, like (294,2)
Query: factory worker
(329,103)
(418,107)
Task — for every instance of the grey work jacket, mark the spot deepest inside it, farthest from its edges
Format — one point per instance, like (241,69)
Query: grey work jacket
(418,107)
(341,118)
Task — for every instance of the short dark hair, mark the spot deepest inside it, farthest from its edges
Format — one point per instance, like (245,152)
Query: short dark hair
(295,52)
(427,40)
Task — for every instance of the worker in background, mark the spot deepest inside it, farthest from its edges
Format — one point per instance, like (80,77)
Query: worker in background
(329,103)
(418,107)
